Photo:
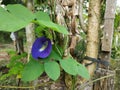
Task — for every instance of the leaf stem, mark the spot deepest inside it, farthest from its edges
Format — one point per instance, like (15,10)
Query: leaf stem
(58,51)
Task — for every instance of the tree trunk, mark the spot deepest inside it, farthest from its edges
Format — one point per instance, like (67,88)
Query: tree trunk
(92,33)
(92,37)
(30,35)
(30,29)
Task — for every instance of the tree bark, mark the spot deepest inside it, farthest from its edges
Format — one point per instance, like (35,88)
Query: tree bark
(30,36)
(92,33)
(30,29)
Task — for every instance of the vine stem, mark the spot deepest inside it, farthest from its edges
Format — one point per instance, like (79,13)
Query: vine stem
(58,51)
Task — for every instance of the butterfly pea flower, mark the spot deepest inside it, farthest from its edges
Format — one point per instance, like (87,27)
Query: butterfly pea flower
(41,48)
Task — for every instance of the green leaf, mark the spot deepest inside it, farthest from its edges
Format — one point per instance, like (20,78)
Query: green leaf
(61,29)
(43,19)
(32,70)
(58,49)
(42,16)
(16,69)
(15,19)
(53,26)
(52,69)
(72,67)
(69,65)
(15,59)
(53,56)
(82,71)
(8,22)
(21,12)
(39,31)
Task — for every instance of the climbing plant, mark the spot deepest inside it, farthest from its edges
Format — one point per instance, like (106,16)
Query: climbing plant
(46,56)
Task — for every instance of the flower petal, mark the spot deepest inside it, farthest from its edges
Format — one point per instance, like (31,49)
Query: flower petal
(41,48)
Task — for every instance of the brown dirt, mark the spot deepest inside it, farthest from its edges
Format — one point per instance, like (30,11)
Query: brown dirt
(3,51)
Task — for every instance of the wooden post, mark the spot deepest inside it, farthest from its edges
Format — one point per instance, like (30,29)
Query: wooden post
(108,30)
(105,54)
(108,25)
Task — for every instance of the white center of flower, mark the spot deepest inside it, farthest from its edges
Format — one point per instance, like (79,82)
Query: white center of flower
(44,46)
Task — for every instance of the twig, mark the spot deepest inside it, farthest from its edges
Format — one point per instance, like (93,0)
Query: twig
(16,87)
(27,87)
(107,76)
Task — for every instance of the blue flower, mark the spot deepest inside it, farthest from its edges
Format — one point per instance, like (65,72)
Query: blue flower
(41,48)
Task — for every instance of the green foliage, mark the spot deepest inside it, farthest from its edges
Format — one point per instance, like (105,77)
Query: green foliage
(17,17)
(15,65)
(116,36)
(69,65)
(42,16)
(72,67)
(48,64)
(103,4)
(82,71)
(80,49)
(52,64)
(40,31)
(13,20)
(15,59)
(54,55)
(44,19)
(117,20)
(116,45)
(52,69)
(3,36)
(21,12)
(32,70)
(43,31)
